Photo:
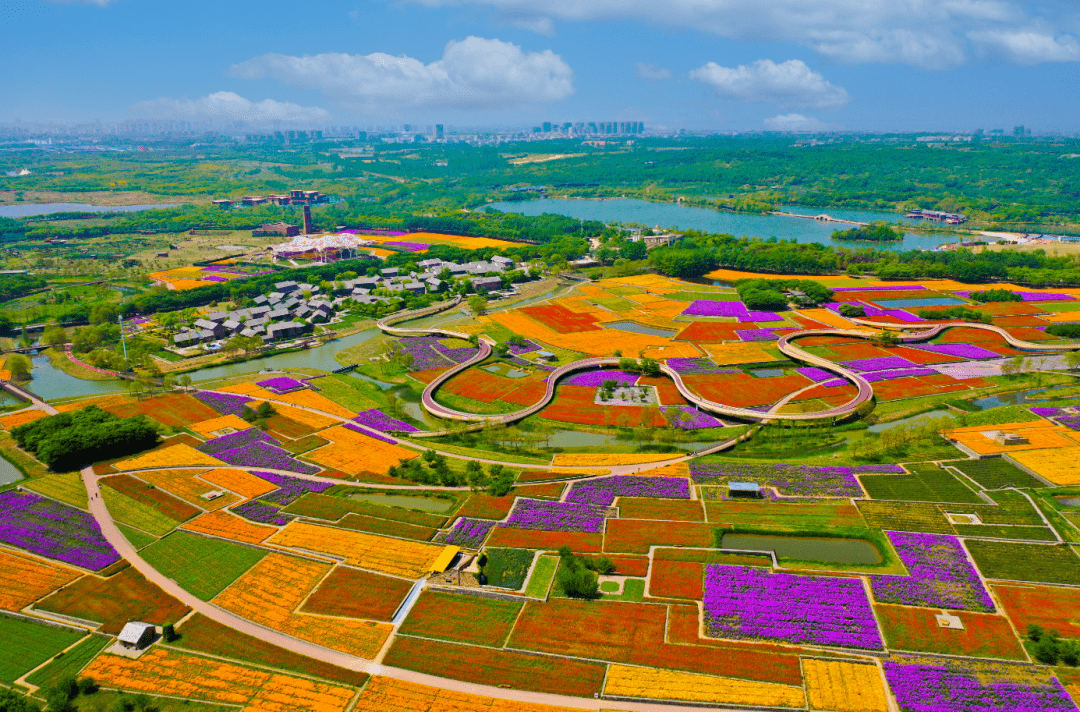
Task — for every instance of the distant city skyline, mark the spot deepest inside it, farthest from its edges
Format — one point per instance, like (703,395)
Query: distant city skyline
(830,65)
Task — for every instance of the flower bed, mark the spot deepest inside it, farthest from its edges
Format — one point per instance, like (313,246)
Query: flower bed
(604,490)
(708,307)
(761,316)
(459,355)
(595,379)
(377,420)
(747,603)
(687,417)
(236,440)
(756,334)
(696,366)
(261,454)
(941,575)
(259,511)
(423,352)
(469,533)
(53,530)
(1046,412)
(884,363)
(815,374)
(792,480)
(968,351)
(289,489)
(929,684)
(523,348)
(875,376)
(357,429)
(224,403)
(408,246)
(555,516)
(281,384)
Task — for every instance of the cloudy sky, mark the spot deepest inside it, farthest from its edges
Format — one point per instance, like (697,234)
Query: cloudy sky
(876,65)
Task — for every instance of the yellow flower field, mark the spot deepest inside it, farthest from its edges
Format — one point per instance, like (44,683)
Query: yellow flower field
(465,241)
(1041,435)
(843,686)
(605,460)
(652,683)
(311,399)
(248,389)
(271,592)
(242,483)
(102,402)
(65,486)
(25,580)
(679,469)
(229,526)
(173,456)
(385,694)
(732,275)
(1057,465)
(829,318)
(166,672)
(738,352)
(207,428)
(14,420)
(185,485)
(353,452)
(396,557)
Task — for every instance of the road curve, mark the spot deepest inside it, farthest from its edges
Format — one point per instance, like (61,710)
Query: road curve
(785,344)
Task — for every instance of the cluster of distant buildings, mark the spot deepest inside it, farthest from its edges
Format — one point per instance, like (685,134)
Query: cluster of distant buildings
(295,197)
(937,216)
(592,128)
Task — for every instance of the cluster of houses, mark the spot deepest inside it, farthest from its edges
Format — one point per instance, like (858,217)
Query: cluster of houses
(292,309)
(284,313)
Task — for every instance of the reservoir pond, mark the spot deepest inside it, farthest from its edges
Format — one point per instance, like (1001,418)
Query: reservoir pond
(807,548)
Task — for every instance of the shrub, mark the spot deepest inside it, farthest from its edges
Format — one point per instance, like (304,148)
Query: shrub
(1068,331)
(852,310)
(996,295)
(575,577)
(67,441)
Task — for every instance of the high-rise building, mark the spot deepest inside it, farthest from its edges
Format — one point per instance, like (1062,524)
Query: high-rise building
(438,131)
(1018,131)
(547,127)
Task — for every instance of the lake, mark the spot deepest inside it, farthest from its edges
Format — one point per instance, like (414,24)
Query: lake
(807,548)
(426,504)
(670,215)
(28,209)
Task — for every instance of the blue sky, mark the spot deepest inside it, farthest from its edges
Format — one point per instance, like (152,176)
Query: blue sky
(875,65)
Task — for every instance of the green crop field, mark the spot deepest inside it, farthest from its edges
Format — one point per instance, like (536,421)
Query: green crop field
(1026,562)
(203,566)
(507,568)
(70,663)
(27,644)
(996,472)
(540,581)
(925,484)
(135,514)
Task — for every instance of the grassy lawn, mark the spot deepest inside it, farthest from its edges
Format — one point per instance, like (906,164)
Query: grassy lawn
(28,644)
(204,567)
(352,393)
(543,573)
(633,590)
(107,700)
(507,568)
(136,537)
(126,510)
(437,444)
(70,663)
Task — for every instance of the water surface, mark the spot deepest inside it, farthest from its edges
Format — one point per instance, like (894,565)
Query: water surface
(22,210)
(426,504)
(808,548)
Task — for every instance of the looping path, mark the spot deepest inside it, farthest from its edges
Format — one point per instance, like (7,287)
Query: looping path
(785,344)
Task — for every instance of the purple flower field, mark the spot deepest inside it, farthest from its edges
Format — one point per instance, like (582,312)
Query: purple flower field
(224,403)
(281,384)
(408,246)
(887,288)
(469,533)
(1072,422)
(883,363)
(968,351)
(423,351)
(931,684)
(261,454)
(696,366)
(604,490)
(235,440)
(791,480)
(708,307)
(746,603)
(289,489)
(815,374)
(53,530)
(555,516)
(761,316)
(941,575)
(258,511)
(687,417)
(595,379)
(377,420)
(527,347)
(874,376)
(1046,412)
(756,335)
(370,433)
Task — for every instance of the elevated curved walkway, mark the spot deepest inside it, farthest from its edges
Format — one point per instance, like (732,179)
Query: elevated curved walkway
(785,344)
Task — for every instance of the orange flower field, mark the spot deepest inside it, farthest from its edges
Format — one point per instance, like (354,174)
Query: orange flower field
(390,556)
(25,580)
(227,525)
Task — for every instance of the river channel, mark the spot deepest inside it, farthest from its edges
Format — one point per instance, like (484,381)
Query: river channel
(672,216)
(21,210)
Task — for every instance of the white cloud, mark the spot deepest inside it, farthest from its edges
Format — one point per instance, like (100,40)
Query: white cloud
(927,33)
(795,123)
(540,25)
(651,71)
(473,74)
(789,83)
(1030,46)
(227,106)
